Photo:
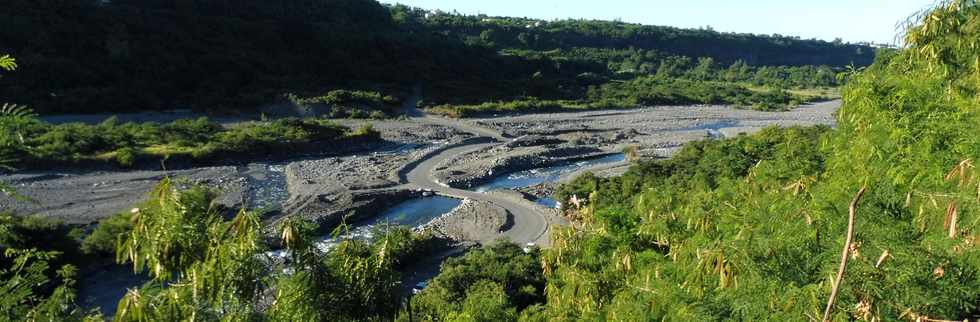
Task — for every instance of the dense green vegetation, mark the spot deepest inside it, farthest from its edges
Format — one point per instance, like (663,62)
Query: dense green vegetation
(204,266)
(632,61)
(538,35)
(28,142)
(34,143)
(643,91)
(753,228)
(236,56)
(493,283)
(347,103)
(7,64)
(30,295)
(24,232)
(638,65)
(218,56)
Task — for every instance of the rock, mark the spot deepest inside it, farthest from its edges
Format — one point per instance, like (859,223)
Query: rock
(532,140)
(546,189)
(481,166)
(329,208)
(476,221)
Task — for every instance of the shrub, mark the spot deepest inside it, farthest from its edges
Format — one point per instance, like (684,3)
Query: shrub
(366,130)
(107,235)
(35,232)
(377,115)
(126,157)
(503,274)
(351,103)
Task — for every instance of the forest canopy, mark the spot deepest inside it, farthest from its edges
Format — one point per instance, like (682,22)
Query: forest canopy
(236,56)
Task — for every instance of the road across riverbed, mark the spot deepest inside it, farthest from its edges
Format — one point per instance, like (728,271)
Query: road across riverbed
(531,221)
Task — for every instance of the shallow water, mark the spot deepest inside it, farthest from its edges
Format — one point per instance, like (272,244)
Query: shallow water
(712,127)
(715,125)
(532,177)
(412,213)
(547,202)
(416,212)
(269,191)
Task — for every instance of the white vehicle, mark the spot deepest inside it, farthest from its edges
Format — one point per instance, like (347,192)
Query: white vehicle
(528,246)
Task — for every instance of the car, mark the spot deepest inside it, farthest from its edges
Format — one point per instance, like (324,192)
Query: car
(528,247)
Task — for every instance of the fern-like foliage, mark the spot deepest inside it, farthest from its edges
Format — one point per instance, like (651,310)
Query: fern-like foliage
(5,161)
(8,63)
(12,113)
(16,111)
(28,270)
(9,114)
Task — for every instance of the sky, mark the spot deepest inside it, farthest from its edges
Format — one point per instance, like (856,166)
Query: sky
(850,20)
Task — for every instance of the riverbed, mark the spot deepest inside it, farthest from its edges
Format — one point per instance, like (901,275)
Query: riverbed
(83,197)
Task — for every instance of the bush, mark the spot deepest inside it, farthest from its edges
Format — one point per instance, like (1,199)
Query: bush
(107,235)
(366,130)
(377,115)
(125,157)
(497,280)
(35,232)
(351,103)
(640,91)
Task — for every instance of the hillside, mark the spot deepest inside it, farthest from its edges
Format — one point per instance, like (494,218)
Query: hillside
(565,35)
(234,56)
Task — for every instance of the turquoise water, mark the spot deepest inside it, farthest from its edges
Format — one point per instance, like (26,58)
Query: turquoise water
(547,202)
(415,212)
(411,213)
(712,128)
(547,174)
(716,125)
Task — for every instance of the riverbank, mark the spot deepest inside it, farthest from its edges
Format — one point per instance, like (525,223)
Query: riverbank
(309,184)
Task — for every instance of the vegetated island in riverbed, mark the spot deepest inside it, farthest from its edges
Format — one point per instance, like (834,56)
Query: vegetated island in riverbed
(35,144)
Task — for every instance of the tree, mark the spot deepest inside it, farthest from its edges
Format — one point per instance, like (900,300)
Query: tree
(704,70)
(202,266)
(524,39)
(673,66)
(208,268)
(8,111)
(22,280)
(25,273)
(492,283)
(485,302)
(748,228)
(738,71)
(487,37)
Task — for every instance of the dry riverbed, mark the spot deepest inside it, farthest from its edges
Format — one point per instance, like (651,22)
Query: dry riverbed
(420,157)
(327,188)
